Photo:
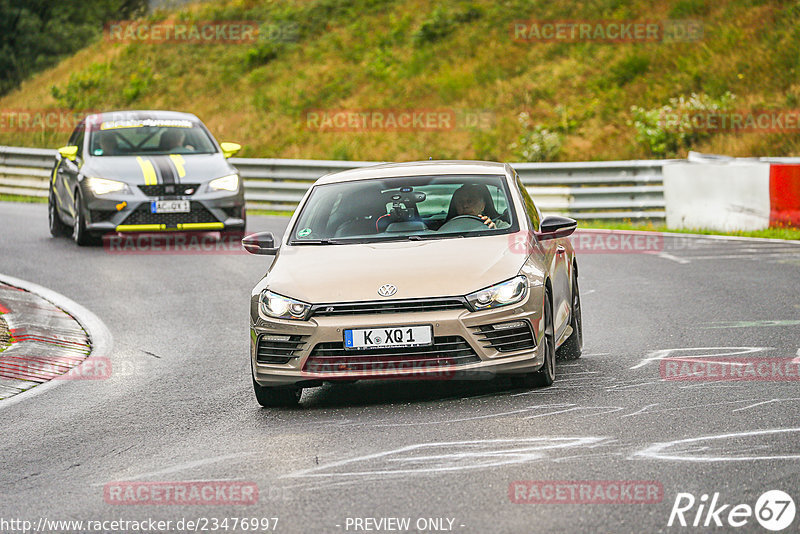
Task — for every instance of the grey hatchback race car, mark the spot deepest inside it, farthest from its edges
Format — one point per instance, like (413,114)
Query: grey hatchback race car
(144,171)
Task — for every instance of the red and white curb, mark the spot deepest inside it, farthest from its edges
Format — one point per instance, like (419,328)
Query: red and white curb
(51,337)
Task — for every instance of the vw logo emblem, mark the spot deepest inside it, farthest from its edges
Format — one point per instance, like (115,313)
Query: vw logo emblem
(387,290)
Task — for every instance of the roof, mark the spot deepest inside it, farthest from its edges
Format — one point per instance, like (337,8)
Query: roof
(415,168)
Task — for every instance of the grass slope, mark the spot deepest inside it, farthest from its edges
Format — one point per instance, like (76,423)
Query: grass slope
(459,55)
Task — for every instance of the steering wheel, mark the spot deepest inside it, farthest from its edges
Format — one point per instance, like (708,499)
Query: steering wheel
(463,222)
(467,217)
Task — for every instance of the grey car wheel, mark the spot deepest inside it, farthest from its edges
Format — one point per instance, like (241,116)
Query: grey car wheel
(572,347)
(547,374)
(57,226)
(278,396)
(79,232)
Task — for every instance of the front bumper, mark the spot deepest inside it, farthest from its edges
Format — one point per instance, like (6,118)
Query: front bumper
(209,211)
(322,335)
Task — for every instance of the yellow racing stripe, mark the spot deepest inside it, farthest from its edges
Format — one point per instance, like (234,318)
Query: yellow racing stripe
(178,161)
(201,226)
(140,227)
(148,171)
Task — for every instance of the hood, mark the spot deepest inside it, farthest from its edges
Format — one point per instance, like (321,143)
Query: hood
(196,168)
(435,268)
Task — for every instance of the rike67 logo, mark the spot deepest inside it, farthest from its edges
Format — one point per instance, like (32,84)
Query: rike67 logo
(774,510)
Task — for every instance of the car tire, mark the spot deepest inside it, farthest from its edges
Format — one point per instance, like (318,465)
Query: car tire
(272,397)
(57,226)
(572,347)
(546,375)
(80,234)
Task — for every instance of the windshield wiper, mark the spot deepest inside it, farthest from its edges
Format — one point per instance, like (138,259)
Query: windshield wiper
(428,237)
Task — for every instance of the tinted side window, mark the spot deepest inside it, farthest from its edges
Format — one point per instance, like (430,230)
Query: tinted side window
(76,139)
(530,206)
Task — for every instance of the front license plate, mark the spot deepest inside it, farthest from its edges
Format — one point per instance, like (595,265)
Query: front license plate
(169,206)
(395,336)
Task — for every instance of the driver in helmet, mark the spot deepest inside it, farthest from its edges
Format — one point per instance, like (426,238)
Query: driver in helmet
(469,200)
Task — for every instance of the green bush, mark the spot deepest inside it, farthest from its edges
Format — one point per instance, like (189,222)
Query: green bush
(667,130)
(85,89)
(138,83)
(261,54)
(629,68)
(537,144)
(442,22)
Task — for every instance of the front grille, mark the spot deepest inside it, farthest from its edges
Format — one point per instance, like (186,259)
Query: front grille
(198,214)
(389,306)
(101,215)
(446,351)
(278,348)
(161,190)
(506,337)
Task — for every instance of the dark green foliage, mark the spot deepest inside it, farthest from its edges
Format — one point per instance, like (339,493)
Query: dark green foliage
(35,34)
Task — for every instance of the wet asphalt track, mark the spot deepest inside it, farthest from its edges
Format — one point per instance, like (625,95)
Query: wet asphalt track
(178,405)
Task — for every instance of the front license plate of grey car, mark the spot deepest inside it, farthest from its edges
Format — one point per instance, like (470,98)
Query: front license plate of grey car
(169,206)
(387,337)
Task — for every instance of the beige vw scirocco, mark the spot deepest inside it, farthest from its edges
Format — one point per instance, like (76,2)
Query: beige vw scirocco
(421,270)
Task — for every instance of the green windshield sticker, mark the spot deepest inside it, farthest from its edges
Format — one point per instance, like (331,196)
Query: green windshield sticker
(304,232)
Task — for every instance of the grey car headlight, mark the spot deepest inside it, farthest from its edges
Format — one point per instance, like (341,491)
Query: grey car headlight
(102,186)
(502,294)
(226,183)
(282,307)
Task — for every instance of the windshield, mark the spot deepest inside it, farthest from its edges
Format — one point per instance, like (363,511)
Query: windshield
(149,137)
(410,207)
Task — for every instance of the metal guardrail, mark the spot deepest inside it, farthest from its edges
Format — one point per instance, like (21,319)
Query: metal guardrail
(588,190)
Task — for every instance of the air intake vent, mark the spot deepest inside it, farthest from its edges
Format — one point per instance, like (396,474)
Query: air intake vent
(446,351)
(162,190)
(278,348)
(506,337)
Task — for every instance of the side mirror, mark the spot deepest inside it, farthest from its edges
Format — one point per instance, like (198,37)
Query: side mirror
(260,243)
(68,152)
(555,226)
(230,149)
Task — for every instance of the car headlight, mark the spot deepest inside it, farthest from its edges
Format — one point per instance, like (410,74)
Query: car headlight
(282,307)
(101,186)
(226,183)
(502,294)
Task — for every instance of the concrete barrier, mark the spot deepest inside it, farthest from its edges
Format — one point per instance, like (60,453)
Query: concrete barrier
(721,195)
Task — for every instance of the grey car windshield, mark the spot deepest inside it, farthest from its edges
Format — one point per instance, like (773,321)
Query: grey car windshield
(409,207)
(140,138)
